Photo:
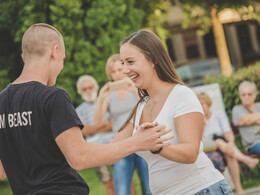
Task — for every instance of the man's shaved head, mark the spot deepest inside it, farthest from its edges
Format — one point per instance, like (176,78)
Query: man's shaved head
(38,39)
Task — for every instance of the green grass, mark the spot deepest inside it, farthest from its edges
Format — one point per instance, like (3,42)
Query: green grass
(97,188)
(5,188)
(89,175)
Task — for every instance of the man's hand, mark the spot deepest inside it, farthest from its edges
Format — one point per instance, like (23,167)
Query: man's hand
(2,171)
(148,136)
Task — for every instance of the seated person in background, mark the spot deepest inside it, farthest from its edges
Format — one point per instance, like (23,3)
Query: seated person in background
(217,159)
(217,128)
(246,117)
(87,87)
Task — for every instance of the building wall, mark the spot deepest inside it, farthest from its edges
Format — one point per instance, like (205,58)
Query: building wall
(242,40)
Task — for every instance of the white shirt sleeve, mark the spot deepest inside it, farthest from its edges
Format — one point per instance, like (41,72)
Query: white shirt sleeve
(185,101)
(224,122)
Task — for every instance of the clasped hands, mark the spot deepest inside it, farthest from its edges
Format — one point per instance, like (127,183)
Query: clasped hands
(151,136)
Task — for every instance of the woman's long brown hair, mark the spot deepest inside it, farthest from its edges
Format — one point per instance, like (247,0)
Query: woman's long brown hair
(153,49)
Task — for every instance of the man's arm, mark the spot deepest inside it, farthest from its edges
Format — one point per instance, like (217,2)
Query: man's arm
(103,126)
(2,171)
(249,119)
(82,155)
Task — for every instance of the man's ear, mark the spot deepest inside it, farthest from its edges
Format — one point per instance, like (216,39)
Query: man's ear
(23,58)
(54,51)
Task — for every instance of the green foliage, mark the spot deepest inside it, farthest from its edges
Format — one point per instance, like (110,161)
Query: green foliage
(89,175)
(157,21)
(198,11)
(4,80)
(248,177)
(5,187)
(92,31)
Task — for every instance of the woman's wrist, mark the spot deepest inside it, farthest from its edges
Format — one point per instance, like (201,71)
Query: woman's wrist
(157,151)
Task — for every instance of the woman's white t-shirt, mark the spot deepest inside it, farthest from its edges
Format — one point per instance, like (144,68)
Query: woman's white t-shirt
(168,177)
(217,124)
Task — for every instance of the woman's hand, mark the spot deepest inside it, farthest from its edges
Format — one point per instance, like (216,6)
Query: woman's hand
(130,86)
(152,135)
(104,91)
(102,104)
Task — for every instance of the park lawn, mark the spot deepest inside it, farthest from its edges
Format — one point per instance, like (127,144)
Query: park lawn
(89,175)
(5,188)
(97,188)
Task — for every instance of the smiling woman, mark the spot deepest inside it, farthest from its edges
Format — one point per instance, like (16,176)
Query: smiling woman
(182,167)
(118,98)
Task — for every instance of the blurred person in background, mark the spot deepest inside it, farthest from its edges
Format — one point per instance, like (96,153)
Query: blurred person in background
(246,117)
(87,88)
(217,128)
(119,101)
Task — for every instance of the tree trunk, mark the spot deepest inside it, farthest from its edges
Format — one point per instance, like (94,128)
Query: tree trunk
(221,45)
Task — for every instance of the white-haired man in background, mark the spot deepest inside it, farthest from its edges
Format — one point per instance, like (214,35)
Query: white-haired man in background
(87,87)
(247,117)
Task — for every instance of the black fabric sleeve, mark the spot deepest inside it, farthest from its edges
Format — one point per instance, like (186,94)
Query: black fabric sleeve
(62,113)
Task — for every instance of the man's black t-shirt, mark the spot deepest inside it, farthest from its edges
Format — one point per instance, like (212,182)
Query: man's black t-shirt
(32,115)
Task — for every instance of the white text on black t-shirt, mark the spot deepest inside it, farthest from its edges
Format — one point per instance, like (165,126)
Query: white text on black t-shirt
(17,119)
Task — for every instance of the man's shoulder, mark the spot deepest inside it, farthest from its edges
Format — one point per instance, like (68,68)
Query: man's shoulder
(52,90)
(2,93)
(35,88)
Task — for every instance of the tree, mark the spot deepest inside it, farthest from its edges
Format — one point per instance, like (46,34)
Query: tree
(10,58)
(92,31)
(201,10)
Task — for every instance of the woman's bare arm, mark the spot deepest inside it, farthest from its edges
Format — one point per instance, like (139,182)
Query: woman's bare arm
(189,128)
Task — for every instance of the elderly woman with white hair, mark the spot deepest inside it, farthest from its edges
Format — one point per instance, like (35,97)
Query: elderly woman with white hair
(247,117)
